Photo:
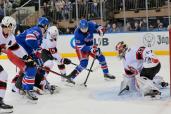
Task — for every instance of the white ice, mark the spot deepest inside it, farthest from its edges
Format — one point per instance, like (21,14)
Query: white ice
(100,96)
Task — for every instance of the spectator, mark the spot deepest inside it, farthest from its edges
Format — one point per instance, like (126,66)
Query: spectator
(128,27)
(115,28)
(108,28)
(160,27)
(136,26)
(8,7)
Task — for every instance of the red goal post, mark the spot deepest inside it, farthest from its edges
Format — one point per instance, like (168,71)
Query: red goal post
(169,28)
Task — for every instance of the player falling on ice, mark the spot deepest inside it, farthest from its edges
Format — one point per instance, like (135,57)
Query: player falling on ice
(7,42)
(141,68)
(50,56)
(85,47)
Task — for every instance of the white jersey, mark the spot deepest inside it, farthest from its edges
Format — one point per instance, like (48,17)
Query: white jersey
(51,45)
(11,43)
(137,58)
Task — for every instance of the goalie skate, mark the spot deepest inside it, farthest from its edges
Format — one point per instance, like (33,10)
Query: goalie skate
(153,94)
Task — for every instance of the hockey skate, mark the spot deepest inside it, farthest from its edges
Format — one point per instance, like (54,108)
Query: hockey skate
(109,77)
(159,82)
(164,84)
(153,94)
(4,108)
(52,88)
(30,94)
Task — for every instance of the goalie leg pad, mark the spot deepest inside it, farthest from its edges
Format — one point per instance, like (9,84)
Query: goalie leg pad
(128,81)
(159,82)
(146,86)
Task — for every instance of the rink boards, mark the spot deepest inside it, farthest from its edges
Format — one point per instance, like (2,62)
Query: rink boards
(157,41)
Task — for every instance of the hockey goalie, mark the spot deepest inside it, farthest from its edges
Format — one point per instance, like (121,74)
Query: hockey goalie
(141,71)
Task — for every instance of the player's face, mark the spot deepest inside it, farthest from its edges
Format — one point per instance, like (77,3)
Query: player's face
(84,30)
(6,29)
(120,49)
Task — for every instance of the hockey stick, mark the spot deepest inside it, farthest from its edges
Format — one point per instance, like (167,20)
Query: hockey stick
(90,70)
(57,74)
(89,73)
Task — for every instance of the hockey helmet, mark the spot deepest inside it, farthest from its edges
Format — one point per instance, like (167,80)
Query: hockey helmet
(83,25)
(121,48)
(43,22)
(53,32)
(10,22)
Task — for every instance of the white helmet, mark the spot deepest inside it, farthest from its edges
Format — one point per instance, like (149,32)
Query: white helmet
(53,32)
(9,21)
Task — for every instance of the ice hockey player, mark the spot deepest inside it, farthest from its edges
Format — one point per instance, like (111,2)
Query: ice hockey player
(50,44)
(31,40)
(7,41)
(84,46)
(50,56)
(141,68)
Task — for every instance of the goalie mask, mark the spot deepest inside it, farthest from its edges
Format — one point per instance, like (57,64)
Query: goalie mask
(121,48)
(10,23)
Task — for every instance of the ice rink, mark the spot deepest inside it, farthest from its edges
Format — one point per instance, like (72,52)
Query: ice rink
(100,96)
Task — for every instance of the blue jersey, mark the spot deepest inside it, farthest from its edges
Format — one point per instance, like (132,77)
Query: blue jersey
(30,39)
(85,38)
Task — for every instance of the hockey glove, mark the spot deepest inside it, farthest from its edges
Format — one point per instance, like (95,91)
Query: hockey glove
(65,61)
(29,62)
(36,56)
(95,50)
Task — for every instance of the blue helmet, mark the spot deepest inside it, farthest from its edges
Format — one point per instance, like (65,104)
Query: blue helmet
(43,22)
(83,24)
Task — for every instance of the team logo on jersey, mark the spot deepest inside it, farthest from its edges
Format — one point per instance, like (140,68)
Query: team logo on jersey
(149,40)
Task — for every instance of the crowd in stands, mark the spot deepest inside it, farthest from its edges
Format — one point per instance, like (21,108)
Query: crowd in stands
(137,25)
(90,9)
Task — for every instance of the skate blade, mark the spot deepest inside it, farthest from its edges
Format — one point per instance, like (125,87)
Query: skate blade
(28,100)
(57,90)
(69,84)
(107,79)
(31,101)
(156,97)
(6,111)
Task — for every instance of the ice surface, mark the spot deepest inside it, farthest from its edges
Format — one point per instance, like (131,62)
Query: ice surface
(100,96)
